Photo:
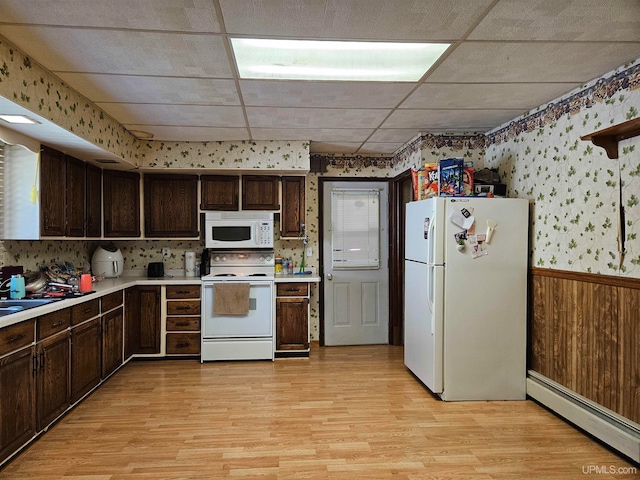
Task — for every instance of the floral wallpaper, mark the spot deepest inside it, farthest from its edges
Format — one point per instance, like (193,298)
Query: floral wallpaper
(34,88)
(264,155)
(574,188)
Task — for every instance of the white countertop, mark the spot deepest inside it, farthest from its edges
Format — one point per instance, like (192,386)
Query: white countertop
(110,285)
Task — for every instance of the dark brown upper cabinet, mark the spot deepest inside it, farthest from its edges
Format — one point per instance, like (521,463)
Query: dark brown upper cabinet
(220,192)
(94,202)
(121,203)
(260,192)
(292,217)
(170,206)
(53,186)
(76,179)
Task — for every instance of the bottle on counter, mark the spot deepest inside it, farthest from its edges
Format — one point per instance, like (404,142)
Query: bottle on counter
(278,268)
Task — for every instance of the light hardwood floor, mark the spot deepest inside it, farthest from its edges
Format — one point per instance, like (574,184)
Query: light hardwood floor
(345,413)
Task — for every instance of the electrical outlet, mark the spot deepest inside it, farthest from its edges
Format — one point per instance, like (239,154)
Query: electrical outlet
(309,251)
(166,253)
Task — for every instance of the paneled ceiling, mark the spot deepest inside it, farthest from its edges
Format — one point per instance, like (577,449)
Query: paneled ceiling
(166,66)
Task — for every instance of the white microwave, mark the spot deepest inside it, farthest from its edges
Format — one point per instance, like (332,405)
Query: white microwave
(238,229)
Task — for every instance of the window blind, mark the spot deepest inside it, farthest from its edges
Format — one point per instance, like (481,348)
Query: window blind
(355,229)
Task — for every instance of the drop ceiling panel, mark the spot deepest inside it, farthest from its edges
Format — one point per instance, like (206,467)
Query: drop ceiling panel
(573,20)
(145,89)
(393,135)
(532,62)
(267,117)
(334,147)
(450,120)
(184,115)
(423,20)
(485,95)
(323,94)
(374,148)
(122,52)
(175,15)
(319,134)
(192,134)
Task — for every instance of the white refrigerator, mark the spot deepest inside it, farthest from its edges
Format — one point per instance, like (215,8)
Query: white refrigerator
(466,296)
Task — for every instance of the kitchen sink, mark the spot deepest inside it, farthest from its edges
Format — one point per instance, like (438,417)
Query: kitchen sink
(7,307)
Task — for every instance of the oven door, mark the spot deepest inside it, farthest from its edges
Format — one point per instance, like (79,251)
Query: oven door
(257,323)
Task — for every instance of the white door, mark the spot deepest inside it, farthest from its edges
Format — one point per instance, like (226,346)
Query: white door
(355,263)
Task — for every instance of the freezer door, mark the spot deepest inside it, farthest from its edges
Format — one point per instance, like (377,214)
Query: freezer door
(423,323)
(424,222)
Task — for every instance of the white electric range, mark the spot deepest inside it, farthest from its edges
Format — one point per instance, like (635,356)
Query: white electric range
(246,336)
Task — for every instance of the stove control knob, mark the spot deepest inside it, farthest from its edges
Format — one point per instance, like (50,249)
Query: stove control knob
(268,258)
(216,258)
(224,259)
(262,258)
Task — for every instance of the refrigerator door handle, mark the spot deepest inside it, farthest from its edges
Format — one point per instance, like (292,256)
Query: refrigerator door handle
(430,294)
(431,239)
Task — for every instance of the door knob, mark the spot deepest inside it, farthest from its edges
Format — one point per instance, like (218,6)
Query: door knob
(329,276)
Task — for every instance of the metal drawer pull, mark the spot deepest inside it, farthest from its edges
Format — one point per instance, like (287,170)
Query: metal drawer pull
(88,310)
(291,289)
(57,324)
(16,338)
(183,308)
(182,324)
(182,345)
(183,292)
(42,358)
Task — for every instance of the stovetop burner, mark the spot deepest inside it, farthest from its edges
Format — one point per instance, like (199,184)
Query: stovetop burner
(242,264)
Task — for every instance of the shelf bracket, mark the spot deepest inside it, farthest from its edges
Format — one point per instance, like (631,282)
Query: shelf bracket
(608,138)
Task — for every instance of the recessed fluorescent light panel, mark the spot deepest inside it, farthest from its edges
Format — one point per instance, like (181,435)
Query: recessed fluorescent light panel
(18,119)
(334,60)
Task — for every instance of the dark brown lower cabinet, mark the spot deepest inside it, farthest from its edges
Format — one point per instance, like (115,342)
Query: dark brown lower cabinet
(292,319)
(52,378)
(112,327)
(85,358)
(142,320)
(17,401)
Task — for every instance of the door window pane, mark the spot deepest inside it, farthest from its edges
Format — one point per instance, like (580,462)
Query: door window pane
(355,229)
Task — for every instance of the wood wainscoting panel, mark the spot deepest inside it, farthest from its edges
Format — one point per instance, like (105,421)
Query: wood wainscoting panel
(584,335)
(629,352)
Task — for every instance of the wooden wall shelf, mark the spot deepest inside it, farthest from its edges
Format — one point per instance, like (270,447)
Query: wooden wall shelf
(608,138)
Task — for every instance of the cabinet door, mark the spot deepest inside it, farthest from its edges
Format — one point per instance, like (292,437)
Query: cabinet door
(171,206)
(75,201)
(121,204)
(220,192)
(85,358)
(292,330)
(94,202)
(260,192)
(52,193)
(292,218)
(111,342)
(142,320)
(17,401)
(52,378)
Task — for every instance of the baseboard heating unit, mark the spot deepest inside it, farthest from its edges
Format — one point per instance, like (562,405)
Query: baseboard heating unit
(616,431)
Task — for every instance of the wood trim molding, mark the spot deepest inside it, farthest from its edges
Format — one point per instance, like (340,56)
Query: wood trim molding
(626,282)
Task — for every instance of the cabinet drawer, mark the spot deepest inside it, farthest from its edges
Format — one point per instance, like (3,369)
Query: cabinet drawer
(53,323)
(85,311)
(183,307)
(183,291)
(292,289)
(181,324)
(111,301)
(16,336)
(183,343)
